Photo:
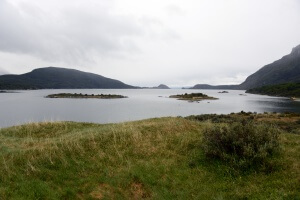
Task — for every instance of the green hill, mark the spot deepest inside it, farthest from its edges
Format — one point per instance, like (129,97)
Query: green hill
(59,78)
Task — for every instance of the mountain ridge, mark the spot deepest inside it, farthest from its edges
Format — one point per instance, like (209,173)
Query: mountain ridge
(60,78)
(284,70)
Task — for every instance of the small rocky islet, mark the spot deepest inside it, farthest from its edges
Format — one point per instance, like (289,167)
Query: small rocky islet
(86,96)
(193,97)
(7,91)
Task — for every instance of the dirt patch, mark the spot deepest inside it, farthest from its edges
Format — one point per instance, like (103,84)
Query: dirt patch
(138,191)
(101,191)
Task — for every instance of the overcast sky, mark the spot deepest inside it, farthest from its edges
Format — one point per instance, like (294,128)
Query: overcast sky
(148,42)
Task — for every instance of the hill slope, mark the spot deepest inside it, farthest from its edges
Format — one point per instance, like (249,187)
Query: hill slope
(285,70)
(59,78)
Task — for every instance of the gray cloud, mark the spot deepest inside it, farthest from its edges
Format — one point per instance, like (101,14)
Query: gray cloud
(174,10)
(2,71)
(149,42)
(71,35)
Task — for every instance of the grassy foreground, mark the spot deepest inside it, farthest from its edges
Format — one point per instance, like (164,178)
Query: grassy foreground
(152,159)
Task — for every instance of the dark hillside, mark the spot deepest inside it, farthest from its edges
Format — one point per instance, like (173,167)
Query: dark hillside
(285,70)
(59,78)
(283,90)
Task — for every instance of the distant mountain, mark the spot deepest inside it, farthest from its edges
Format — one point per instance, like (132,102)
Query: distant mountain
(59,78)
(285,70)
(212,87)
(161,86)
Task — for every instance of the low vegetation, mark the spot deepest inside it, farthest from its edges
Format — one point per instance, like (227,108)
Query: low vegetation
(86,96)
(165,158)
(243,146)
(193,97)
(288,122)
(283,90)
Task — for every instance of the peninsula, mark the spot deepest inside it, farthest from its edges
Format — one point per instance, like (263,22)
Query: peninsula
(282,90)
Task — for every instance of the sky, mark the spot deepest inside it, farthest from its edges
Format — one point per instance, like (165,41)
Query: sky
(149,42)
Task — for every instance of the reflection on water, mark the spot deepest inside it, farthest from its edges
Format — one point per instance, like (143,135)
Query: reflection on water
(31,106)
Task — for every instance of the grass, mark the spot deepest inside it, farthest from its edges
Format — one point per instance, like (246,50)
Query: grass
(152,159)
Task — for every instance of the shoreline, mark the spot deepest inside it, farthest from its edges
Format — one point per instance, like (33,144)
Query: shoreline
(263,94)
(206,116)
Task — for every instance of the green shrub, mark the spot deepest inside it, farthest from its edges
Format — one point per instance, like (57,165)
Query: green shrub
(241,145)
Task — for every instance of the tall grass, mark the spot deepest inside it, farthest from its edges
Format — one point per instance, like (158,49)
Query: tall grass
(152,159)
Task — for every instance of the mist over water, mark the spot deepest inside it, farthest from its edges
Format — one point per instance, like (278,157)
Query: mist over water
(32,106)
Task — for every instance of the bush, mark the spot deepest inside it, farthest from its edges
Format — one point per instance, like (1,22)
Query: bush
(241,145)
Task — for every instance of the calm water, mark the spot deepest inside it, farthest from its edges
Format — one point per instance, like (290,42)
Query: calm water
(31,106)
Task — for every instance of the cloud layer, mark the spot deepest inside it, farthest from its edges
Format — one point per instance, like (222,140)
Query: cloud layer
(70,34)
(149,42)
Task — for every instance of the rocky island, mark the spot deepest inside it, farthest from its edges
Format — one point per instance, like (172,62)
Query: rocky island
(193,97)
(86,96)
(223,92)
(161,86)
